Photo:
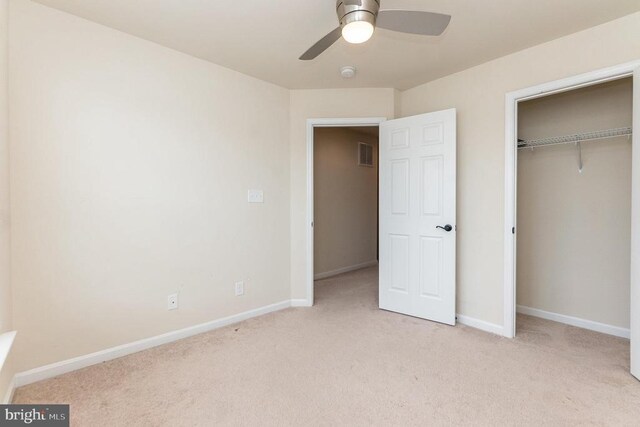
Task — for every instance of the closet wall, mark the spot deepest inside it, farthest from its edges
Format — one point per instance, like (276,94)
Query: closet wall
(574,228)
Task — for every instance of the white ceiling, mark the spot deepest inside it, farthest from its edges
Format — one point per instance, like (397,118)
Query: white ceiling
(264,38)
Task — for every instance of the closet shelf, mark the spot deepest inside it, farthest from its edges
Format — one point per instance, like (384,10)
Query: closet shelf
(576,138)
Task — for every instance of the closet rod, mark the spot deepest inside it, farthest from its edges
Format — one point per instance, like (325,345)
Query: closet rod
(572,139)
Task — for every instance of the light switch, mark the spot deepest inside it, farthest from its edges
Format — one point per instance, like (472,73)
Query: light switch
(256,196)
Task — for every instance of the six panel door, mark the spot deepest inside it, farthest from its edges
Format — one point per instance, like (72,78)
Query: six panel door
(418,216)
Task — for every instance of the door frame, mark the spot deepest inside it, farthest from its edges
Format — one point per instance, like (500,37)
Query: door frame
(511,167)
(311,125)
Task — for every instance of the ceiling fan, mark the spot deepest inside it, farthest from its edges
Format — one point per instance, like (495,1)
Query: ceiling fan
(359,18)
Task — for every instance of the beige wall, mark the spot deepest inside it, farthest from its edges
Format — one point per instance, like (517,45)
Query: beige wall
(6,373)
(479,96)
(574,229)
(5,288)
(130,169)
(345,200)
(331,103)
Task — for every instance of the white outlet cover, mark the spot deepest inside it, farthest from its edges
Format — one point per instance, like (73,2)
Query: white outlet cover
(256,196)
(172,302)
(239,288)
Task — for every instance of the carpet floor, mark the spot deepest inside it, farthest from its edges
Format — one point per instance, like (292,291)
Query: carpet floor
(345,362)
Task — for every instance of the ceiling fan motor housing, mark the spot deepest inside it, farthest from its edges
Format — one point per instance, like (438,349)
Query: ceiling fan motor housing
(357,10)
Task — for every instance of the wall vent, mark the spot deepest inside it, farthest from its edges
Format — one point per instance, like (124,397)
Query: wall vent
(365,155)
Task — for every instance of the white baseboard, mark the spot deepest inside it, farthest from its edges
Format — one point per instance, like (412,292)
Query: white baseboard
(300,303)
(343,270)
(8,397)
(575,321)
(59,368)
(480,324)
(6,343)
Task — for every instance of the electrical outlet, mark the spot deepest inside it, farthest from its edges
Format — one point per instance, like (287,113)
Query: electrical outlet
(256,196)
(172,302)
(239,289)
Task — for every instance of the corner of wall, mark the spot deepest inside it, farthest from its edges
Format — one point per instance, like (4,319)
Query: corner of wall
(397,104)
(5,275)
(7,368)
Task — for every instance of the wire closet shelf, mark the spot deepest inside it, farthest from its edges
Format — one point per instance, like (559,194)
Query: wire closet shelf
(576,138)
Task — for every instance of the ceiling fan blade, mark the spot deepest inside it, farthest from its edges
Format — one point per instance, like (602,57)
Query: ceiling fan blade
(324,44)
(413,22)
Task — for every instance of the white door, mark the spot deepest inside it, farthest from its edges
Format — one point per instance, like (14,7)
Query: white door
(418,216)
(635,232)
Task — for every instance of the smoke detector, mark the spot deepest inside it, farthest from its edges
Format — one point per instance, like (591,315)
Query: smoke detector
(348,72)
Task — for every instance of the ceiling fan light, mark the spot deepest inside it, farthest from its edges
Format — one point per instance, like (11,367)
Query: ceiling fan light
(357,32)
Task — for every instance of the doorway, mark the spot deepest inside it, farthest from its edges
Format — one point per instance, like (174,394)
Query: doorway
(345,200)
(417,212)
(574,208)
(558,228)
(312,125)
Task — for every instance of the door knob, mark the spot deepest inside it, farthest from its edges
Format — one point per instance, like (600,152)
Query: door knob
(446,228)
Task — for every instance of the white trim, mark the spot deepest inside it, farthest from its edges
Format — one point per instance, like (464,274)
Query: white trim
(6,342)
(634,294)
(65,366)
(480,324)
(311,124)
(511,121)
(575,321)
(511,176)
(8,397)
(299,303)
(343,270)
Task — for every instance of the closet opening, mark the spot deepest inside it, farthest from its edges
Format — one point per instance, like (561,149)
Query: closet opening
(574,210)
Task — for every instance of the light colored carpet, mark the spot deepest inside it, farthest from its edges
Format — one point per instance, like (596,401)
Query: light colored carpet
(344,362)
